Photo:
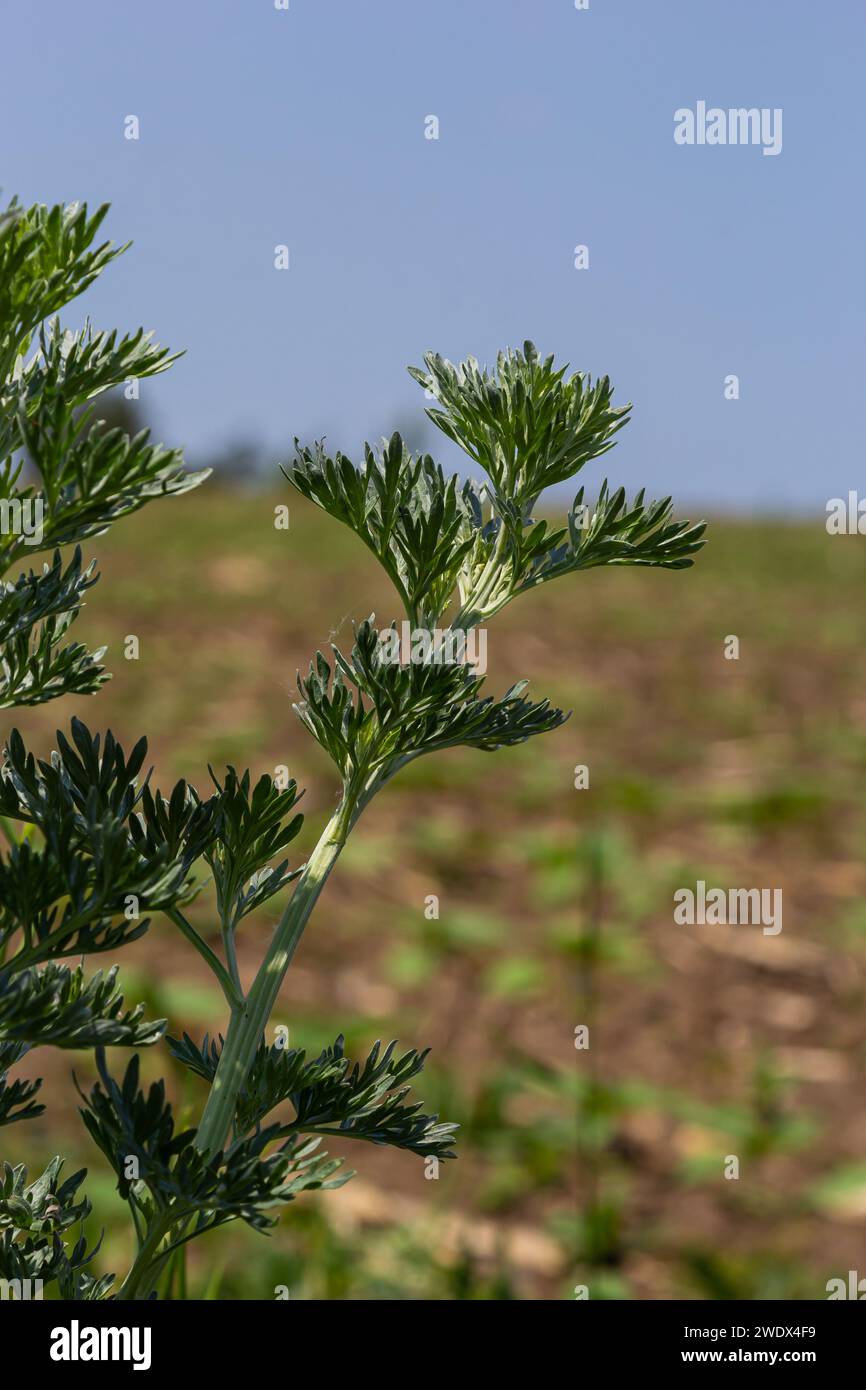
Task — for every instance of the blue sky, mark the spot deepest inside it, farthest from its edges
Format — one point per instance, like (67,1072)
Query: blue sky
(305,127)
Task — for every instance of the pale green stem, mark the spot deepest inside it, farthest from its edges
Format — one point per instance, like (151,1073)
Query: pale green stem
(249,1020)
(248,1023)
(137,1283)
(232,956)
(230,987)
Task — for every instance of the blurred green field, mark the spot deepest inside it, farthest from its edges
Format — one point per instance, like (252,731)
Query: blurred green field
(601,1167)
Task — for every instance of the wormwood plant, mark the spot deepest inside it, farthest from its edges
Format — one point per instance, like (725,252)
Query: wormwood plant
(71,867)
(92,846)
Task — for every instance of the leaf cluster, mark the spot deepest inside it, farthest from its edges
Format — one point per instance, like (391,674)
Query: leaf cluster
(373,715)
(330,1094)
(419,525)
(36,1221)
(529,426)
(16,1097)
(64,1008)
(249,828)
(168,1182)
(55,466)
(71,894)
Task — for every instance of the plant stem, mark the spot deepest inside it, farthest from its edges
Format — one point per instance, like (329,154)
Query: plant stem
(143,1262)
(232,957)
(229,986)
(249,1022)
